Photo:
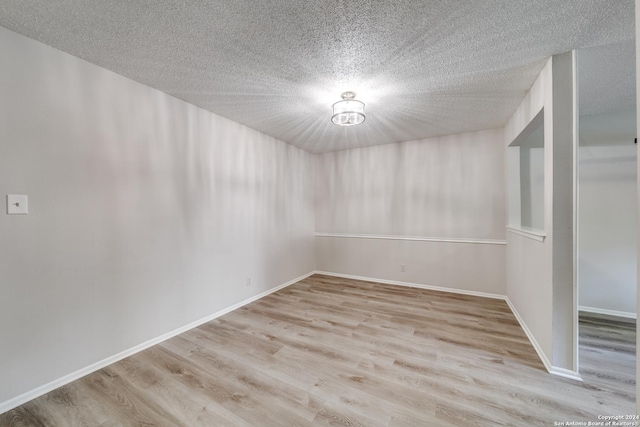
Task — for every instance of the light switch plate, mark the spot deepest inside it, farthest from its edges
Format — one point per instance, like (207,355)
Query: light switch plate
(17,204)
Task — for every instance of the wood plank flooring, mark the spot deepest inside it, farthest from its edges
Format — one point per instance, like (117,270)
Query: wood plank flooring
(334,352)
(608,352)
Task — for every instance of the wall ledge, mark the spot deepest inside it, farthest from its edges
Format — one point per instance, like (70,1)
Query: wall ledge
(414,238)
(538,236)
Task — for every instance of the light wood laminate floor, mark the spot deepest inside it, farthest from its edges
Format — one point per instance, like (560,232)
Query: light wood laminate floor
(608,352)
(330,351)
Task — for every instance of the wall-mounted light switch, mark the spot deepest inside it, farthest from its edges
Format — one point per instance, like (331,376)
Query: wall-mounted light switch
(16,205)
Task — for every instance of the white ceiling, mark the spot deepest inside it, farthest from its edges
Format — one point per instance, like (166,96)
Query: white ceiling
(423,68)
(607,79)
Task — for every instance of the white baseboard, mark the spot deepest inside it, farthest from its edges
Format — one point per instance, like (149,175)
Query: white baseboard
(554,370)
(626,314)
(561,372)
(414,285)
(565,373)
(37,392)
(527,332)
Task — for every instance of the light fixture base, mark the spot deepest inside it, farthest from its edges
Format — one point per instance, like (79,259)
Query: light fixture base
(348,95)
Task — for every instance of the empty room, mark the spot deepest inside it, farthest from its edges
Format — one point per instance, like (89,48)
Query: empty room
(287,213)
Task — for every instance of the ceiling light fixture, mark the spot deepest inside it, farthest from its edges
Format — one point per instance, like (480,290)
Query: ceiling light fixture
(348,112)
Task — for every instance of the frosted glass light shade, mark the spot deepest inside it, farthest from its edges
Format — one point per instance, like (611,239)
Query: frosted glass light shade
(348,112)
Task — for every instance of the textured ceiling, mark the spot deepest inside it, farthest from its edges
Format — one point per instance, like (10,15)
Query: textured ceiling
(423,68)
(607,78)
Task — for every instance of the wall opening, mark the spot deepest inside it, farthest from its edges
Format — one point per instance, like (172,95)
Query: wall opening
(525,158)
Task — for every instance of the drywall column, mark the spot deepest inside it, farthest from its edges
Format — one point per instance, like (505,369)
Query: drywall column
(540,279)
(529,285)
(563,148)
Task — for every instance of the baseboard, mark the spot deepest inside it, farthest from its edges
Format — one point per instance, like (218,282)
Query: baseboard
(529,335)
(554,370)
(30,395)
(414,285)
(565,373)
(595,310)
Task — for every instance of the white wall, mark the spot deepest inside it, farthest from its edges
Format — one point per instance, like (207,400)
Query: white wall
(458,266)
(146,214)
(447,188)
(608,211)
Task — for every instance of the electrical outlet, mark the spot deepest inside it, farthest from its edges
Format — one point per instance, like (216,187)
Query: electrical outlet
(248,281)
(403,268)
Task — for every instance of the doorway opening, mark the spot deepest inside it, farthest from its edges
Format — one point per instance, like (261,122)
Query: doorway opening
(607,217)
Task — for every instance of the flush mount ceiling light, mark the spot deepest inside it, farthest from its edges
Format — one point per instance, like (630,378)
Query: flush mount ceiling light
(348,112)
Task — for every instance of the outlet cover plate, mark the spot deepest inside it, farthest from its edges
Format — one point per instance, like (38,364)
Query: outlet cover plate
(17,204)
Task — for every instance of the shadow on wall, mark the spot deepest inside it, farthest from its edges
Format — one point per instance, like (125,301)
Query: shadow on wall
(146,214)
(606,290)
(450,187)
